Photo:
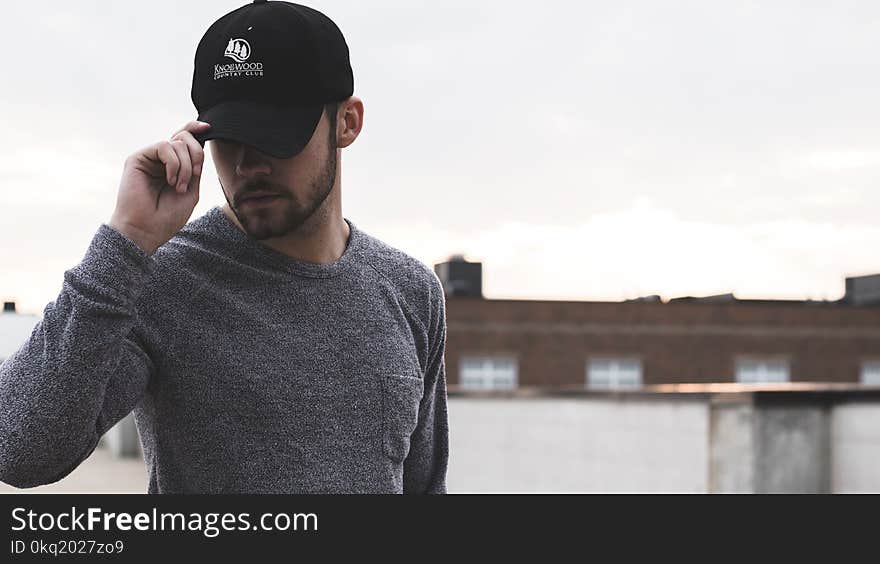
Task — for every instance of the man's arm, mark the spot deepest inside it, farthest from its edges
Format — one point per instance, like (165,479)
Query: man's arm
(81,370)
(84,366)
(424,470)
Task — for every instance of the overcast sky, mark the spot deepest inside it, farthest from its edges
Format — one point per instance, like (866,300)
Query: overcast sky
(579,150)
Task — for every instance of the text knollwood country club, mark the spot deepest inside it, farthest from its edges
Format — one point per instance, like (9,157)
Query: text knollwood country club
(238,69)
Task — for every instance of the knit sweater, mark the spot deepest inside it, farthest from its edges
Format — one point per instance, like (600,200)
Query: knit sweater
(248,371)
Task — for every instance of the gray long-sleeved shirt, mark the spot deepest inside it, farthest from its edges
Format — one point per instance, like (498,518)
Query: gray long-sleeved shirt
(248,371)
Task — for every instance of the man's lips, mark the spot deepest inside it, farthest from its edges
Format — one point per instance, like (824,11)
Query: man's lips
(259,197)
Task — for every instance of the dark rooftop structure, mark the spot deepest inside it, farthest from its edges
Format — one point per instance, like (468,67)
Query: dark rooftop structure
(862,290)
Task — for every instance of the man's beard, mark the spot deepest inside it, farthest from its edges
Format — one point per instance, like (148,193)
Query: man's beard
(284,215)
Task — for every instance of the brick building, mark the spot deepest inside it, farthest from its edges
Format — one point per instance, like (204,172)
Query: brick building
(504,344)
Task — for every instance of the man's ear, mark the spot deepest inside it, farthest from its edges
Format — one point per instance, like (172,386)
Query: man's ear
(349,121)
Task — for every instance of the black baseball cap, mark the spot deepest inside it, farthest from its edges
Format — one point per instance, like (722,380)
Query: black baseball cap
(264,72)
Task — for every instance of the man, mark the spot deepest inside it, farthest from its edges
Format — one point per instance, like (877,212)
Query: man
(269,346)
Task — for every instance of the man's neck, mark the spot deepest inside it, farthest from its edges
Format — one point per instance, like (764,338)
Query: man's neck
(323,245)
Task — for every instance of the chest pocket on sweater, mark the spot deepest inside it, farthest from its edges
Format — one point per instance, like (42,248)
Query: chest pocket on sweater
(401,395)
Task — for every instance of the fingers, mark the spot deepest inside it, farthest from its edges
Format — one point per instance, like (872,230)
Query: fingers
(184,173)
(194,157)
(196,153)
(193,188)
(193,127)
(168,156)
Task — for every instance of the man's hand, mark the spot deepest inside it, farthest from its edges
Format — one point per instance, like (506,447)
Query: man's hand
(160,189)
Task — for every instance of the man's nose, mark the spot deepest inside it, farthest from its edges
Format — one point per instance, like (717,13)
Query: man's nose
(250,162)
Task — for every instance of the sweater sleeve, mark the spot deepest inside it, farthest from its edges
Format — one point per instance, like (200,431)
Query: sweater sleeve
(424,470)
(83,368)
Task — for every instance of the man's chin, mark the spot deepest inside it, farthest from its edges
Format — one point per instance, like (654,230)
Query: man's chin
(262,228)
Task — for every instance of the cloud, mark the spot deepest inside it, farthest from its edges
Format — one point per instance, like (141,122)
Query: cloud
(839,160)
(648,250)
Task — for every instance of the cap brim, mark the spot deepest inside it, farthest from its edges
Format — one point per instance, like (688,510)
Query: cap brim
(280,132)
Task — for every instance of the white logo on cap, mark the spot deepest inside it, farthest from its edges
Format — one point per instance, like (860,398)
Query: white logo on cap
(238,50)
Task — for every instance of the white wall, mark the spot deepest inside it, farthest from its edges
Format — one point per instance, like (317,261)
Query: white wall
(855,448)
(590,444)
(669,443)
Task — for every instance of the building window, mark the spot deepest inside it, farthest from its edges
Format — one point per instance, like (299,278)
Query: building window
(488,373)
(871,373)
(761,370)
(611,373)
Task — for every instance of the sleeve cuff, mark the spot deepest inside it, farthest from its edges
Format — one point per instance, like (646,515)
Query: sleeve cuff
(115,262)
